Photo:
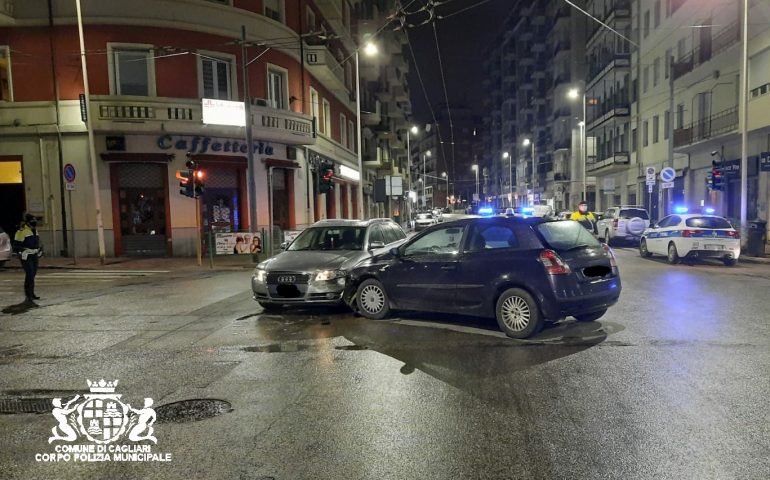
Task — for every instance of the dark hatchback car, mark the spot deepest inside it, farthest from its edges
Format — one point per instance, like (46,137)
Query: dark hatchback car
(521,271)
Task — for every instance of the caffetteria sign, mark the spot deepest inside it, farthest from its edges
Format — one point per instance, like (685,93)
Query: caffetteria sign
(199,145)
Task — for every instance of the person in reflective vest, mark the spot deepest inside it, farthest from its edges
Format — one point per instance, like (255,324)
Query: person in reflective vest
(27,245)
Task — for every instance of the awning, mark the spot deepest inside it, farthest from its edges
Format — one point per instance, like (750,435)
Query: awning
(137,157)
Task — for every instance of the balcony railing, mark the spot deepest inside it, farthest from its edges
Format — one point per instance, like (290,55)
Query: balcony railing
(723,40)
(717,124)
(606,110)
(604,59)
(621,9)
(613,159)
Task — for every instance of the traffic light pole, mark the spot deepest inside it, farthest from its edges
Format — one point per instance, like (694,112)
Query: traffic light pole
(198,248)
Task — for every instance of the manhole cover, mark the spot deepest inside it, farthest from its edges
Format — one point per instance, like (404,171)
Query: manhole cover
(352,347)
(191,410)
(10,406)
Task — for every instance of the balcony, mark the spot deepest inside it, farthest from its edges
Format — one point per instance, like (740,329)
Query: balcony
(614,162)
(560,45)
(619,10)
(718,124)
(371,113)
(606,111)
(183,116)
(724,39)
(606,62)
(331,10)
(323,66)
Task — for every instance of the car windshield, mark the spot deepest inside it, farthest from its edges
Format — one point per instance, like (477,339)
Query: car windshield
(627,213)
(707,222)
(566,235)
(329,238)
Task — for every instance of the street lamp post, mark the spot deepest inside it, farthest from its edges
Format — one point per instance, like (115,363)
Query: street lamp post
(574,94)
(370,49)
(510,178)
(527,142)
(413,131)
(446,177)
(475,168)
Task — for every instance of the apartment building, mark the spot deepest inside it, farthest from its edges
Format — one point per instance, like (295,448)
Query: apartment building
(154,66)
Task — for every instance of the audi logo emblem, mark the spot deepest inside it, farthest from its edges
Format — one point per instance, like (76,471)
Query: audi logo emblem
(287,279)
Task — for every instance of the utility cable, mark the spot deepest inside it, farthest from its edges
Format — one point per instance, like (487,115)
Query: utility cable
(446,98)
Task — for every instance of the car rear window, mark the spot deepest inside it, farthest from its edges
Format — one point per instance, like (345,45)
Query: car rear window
(423,216)
(707,222)
(566,234)
(633,213)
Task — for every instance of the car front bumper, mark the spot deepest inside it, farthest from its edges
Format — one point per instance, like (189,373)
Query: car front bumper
(311,293)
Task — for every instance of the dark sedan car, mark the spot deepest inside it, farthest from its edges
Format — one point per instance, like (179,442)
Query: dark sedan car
(523,272)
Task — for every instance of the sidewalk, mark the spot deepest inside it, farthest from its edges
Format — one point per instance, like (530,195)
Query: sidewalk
(229,262)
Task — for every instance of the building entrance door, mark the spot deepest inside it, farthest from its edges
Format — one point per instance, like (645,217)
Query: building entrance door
(142,189)
(11,194)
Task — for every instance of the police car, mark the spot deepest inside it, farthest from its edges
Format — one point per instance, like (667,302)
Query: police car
(692,235)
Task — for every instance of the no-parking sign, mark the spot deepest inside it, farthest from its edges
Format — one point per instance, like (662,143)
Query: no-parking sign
(667,175)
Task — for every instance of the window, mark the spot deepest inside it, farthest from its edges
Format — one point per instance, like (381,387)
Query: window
(376,235)
(646,79)
(655,129)
(276,88)
(633,140)
(215,78)
(314,106)
(680,115)
(132,70)
(646,23)
(655,71)
(645,133)
(628,213)
(666,124)
(343,129)
(707,222)
(391,232)
(442,241)
(667,65)
(351,136)
(327,125)
(274,9)
(310,19)
(487,237)
(657,13)
(680,48)
(6,87)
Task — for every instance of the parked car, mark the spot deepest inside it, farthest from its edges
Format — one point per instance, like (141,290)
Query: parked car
(626,222)
(692,236)
(6,249)
(314,268)
(423,221)
(438,214)
(521,271)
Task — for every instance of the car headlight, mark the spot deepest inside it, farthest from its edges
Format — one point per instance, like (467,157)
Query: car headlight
(260,275)
(326,275)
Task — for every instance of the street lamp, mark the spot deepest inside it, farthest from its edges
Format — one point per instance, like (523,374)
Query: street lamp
(475,168)
(370,49)
(506,156)
(527,142)
(574,94)
(424,182)
(413,131)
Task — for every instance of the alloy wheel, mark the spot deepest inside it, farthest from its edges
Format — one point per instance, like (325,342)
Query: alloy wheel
(372,299)
(516,313)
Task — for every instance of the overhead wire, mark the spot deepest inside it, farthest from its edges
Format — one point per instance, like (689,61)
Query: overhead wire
(446,99)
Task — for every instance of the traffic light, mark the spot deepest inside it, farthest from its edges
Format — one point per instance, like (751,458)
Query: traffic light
(191,180)
(716,179)
(325,174)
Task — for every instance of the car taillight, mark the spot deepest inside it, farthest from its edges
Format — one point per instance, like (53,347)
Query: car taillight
(553,263)
(608,251)
(733,234)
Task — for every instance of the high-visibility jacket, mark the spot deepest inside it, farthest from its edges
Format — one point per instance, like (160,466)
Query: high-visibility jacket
(26,241)
(580,217)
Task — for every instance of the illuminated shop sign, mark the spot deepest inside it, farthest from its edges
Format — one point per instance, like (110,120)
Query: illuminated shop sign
(223,112)
(199,145)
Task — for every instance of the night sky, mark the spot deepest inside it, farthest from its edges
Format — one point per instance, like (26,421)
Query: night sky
(463,39)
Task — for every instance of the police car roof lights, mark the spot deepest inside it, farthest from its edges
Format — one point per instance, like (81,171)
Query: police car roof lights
(681,209)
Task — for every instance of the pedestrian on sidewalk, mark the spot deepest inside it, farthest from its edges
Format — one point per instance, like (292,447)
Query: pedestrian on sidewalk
(27,245)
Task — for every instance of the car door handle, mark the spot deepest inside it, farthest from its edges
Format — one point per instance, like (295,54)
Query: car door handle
(449,267)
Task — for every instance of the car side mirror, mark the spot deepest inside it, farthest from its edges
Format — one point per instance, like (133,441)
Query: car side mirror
(284,245)
(375,244)
(395,252)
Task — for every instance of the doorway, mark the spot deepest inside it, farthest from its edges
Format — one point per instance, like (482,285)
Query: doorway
(142,198)
(11,194)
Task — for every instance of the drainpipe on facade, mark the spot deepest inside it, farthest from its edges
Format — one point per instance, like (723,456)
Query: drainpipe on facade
(65,248)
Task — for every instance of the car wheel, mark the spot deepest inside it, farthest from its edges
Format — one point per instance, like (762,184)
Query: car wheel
(271,307)
(673,256)
(643,249)
(372,300)
(590,317)
(730,262)
(518,314)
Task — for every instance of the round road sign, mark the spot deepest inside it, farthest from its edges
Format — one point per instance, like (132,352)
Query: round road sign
(651,171)
(668,174)
(69,173)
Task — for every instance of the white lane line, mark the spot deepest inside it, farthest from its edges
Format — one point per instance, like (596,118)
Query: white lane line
(455,328)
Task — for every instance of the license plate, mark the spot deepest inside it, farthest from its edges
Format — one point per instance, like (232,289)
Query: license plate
(714,247)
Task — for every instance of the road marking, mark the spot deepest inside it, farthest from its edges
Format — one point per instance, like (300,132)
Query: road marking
(455,328)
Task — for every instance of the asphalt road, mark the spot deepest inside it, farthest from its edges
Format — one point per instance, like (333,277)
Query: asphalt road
(672,383)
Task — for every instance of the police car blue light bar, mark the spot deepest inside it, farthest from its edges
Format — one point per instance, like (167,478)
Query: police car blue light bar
(680,209)
(485,211)
(709,210)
